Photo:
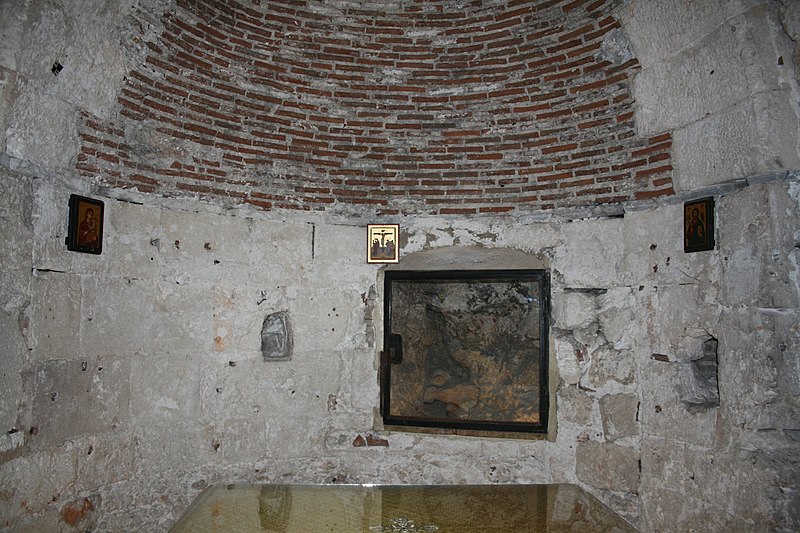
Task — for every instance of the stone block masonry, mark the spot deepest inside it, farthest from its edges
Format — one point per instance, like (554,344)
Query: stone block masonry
(239,145)
(142,376)
(382,109)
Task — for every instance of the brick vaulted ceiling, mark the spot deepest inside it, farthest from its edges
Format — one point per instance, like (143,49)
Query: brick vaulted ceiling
(381,108)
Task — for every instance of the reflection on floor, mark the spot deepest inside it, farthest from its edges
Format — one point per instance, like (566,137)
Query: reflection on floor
(398,509)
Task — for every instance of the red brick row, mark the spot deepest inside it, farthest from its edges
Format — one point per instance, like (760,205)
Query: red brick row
(293,110)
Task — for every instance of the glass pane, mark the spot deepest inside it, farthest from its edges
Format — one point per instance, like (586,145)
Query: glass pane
(471,350)
(386,508)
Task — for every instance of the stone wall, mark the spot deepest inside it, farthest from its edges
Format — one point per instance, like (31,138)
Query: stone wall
(733,465)
(131,380)
(140,377)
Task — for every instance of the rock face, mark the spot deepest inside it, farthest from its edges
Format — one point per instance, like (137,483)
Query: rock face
(133,379)
(472,349)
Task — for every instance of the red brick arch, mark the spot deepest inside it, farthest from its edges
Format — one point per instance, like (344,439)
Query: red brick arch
(436,107)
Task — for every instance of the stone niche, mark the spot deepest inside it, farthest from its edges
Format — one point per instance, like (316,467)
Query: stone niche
(466,343)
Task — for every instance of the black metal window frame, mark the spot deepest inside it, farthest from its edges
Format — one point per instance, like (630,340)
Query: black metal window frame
(390,354)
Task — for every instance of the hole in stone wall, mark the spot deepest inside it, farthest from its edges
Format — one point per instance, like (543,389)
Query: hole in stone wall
(699,379)
(276,337)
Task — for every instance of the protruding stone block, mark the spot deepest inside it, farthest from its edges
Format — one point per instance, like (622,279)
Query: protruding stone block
(574,309)
(608,466)
(574,405)
(609,366)
(619,415)
(617,317)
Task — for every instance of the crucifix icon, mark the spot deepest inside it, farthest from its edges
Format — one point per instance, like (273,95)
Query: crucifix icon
(382,233)
(383,243)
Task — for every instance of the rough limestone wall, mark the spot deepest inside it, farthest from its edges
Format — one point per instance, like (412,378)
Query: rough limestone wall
(723,78)
(132,380)
(145,380)
(15,214)
(732,467)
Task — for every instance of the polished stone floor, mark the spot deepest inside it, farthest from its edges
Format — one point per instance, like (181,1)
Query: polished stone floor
(398,509)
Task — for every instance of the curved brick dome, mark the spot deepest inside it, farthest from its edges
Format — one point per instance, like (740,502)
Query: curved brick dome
(369,108)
